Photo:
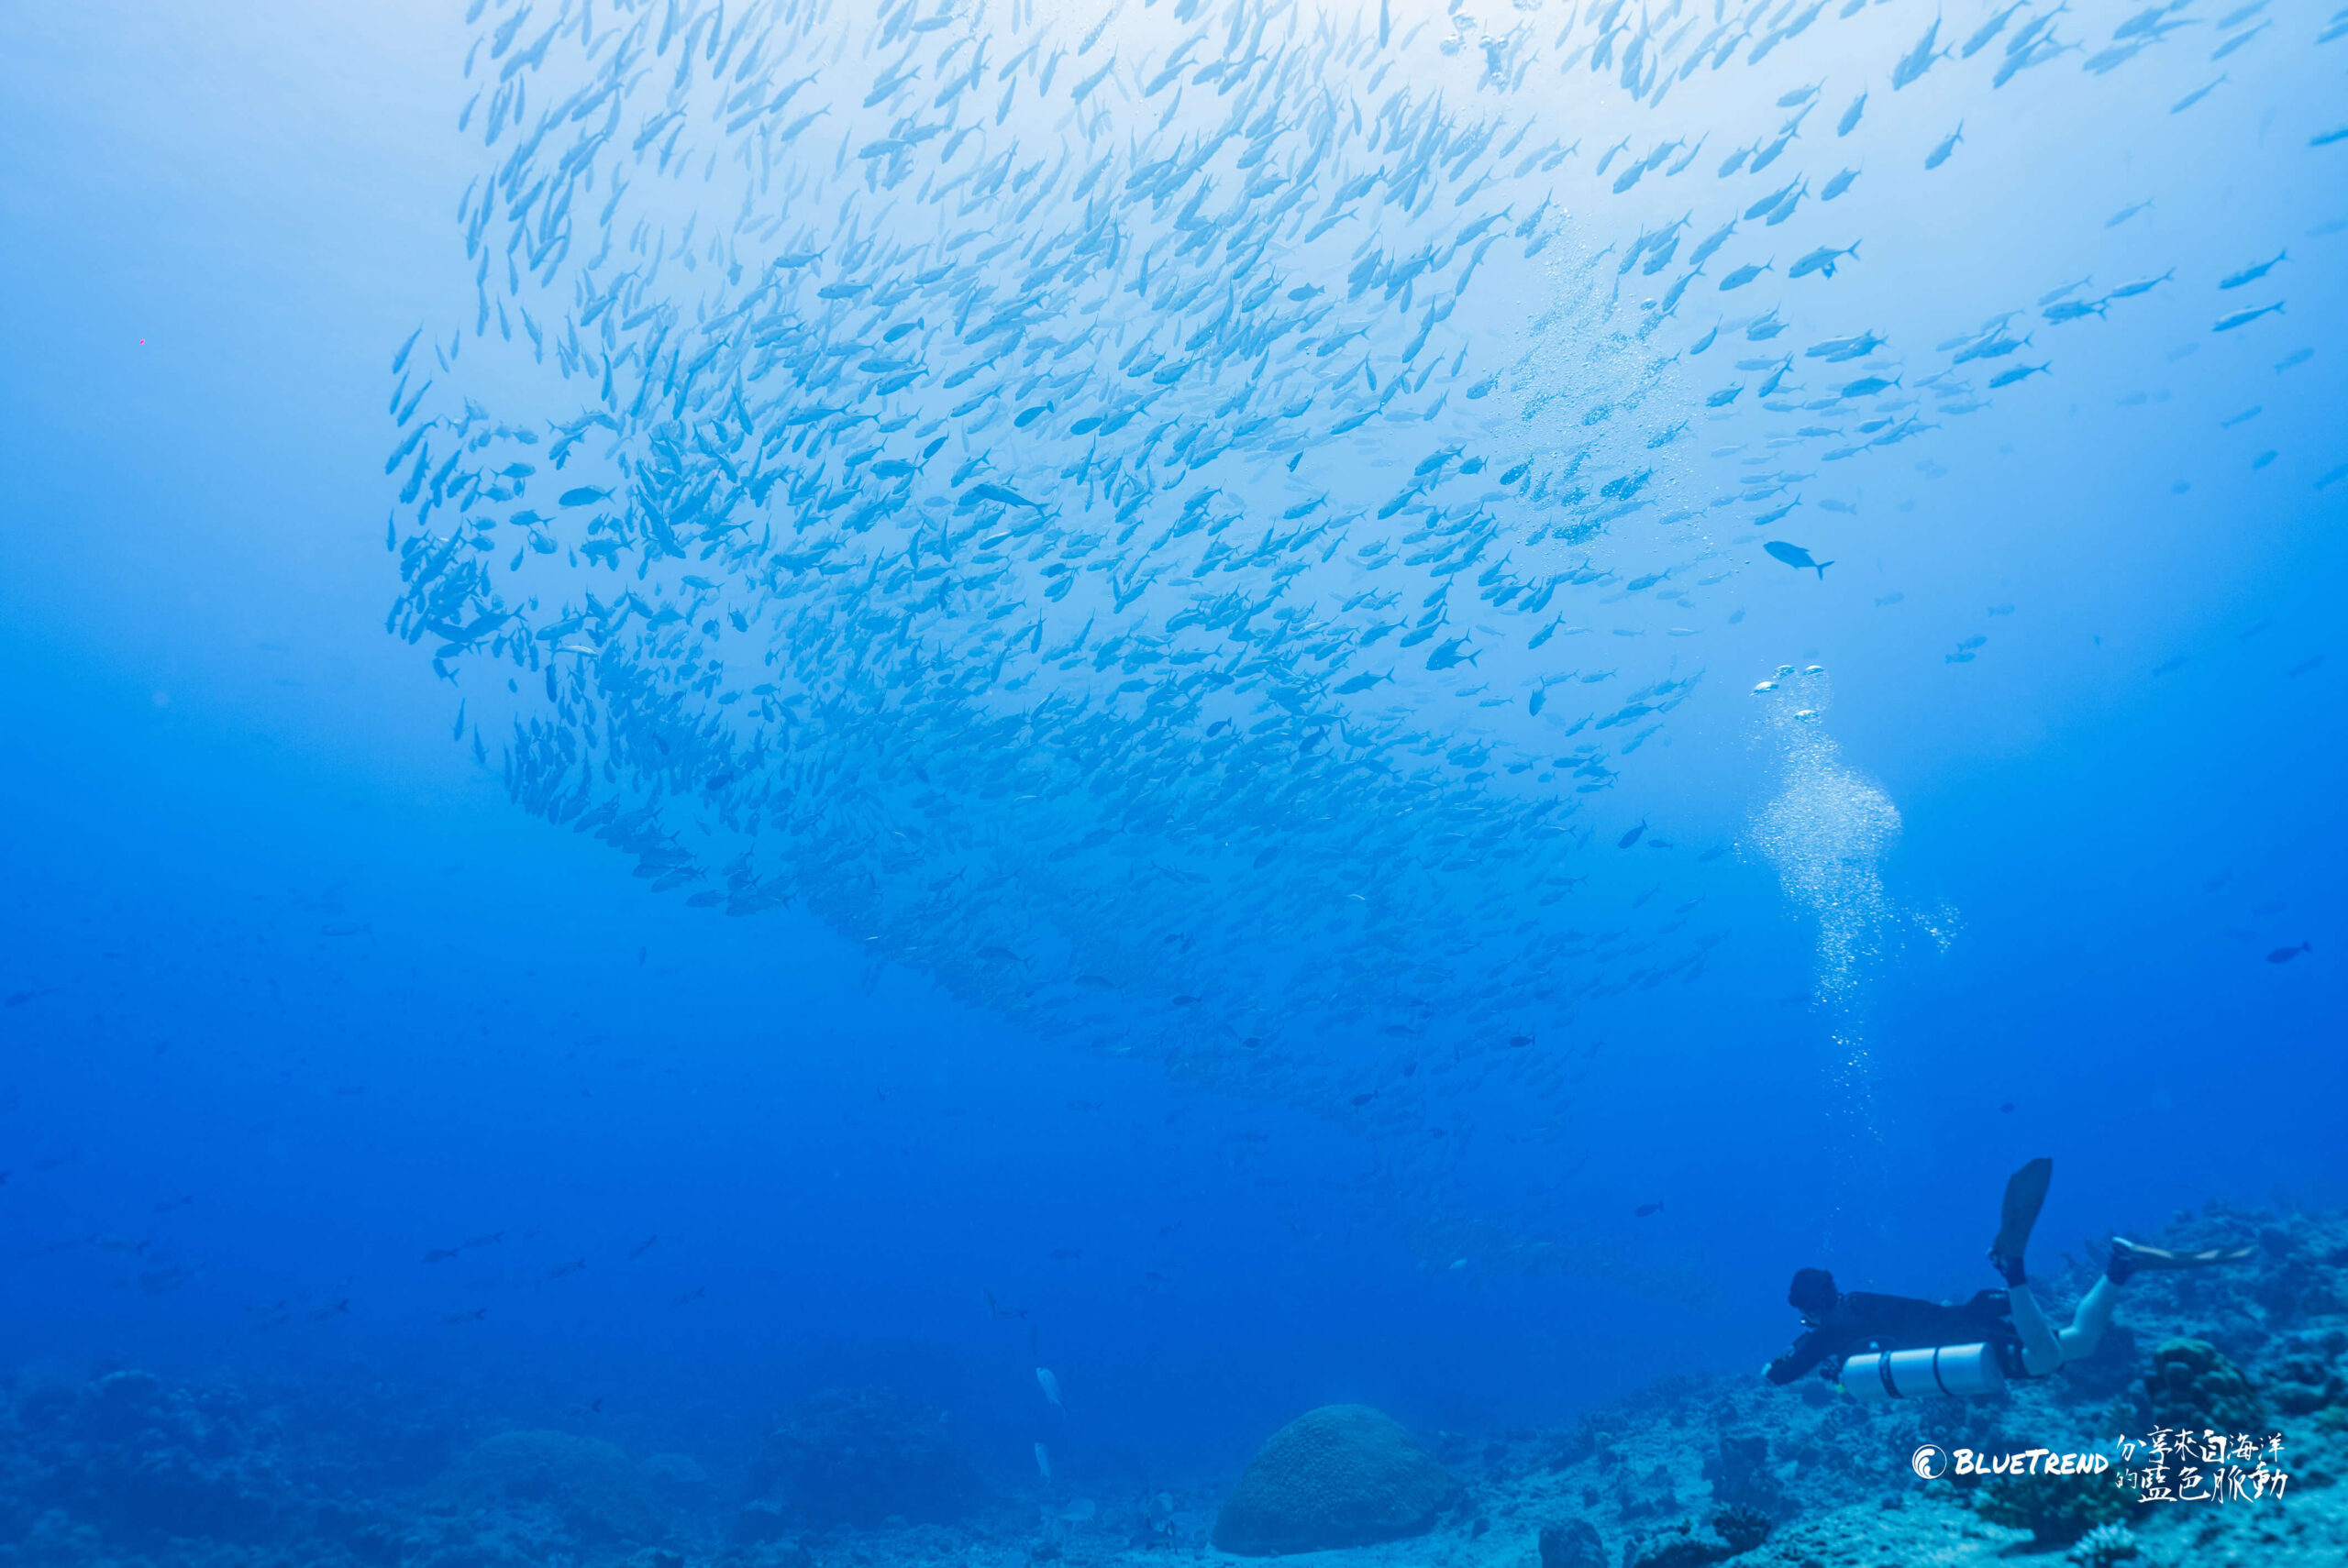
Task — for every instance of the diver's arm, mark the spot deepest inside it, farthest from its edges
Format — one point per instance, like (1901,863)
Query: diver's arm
(1807,1351)
(1832,1336)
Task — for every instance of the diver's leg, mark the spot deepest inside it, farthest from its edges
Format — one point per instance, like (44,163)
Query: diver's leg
(2041,1351)
(2088,1323)
(2025,1195)
(2132,1256)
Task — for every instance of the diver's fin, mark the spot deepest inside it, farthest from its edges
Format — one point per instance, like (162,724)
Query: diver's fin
(2025,1195)
(2143,1256)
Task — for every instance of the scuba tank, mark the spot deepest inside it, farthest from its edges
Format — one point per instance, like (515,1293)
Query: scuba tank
(1919,1373)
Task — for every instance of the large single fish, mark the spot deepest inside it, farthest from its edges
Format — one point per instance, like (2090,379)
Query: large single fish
(2251,274)
(2244,317)
(1822,259)
(1989,30)
(1918,60)
(1795,556)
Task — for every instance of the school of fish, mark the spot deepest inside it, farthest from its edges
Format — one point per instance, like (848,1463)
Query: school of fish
(1176,520)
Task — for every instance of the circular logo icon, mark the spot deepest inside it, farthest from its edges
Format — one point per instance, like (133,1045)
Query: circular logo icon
(1929,1462)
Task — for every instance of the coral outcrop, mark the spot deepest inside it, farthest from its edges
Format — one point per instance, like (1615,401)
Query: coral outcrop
(2308,1373)
(2103,1546)
(2194,1387)
(1740,1475)
(1340,1475)
(581,1488)
(1731,1532)
(154,1462)
(1573,1544)
(2055,1510)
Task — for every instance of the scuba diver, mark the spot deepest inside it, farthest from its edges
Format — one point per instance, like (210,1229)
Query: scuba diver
(1890,1347)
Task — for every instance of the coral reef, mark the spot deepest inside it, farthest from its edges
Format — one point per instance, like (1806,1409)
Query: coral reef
(2195,1386)
(1681,1545)
(1340,1475)
(2103,1546)
(154,1462)
(860,1457)
(2304,1376)
(1731,1532)
(127,1469)
(1743,1528)
(1573,1544)
(1739,1473)
(2055,1510)
(580,1489)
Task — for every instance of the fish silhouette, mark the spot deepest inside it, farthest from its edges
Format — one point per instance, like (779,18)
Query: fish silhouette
(1795,556)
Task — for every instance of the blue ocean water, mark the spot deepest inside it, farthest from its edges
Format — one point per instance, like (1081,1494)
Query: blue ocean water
(1263,704)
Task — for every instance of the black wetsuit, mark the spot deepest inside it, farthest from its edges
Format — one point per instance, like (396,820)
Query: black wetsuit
(1862,1321)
